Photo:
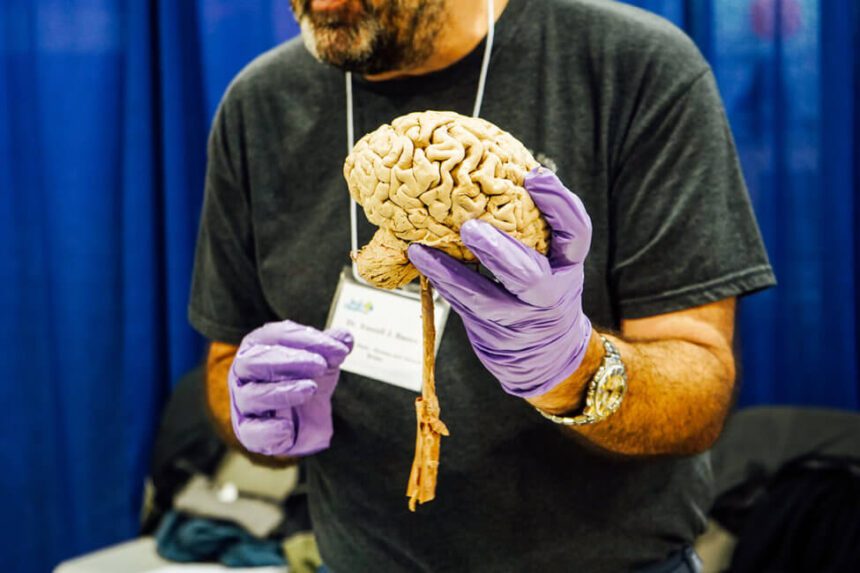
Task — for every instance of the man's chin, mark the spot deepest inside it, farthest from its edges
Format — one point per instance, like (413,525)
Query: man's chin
(349,49)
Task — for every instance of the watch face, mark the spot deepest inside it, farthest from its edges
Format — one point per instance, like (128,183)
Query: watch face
(610,390)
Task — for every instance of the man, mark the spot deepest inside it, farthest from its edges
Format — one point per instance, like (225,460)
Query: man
(646,266)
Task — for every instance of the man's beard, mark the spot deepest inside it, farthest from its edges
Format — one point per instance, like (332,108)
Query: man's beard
(372,36)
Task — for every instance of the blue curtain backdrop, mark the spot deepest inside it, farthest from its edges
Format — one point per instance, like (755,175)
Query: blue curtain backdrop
(104,112)
(104,109)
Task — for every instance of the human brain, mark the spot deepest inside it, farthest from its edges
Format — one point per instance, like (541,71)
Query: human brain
(421,177)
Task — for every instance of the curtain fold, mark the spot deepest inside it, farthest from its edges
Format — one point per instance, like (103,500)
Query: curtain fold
(786,68)
(104,112)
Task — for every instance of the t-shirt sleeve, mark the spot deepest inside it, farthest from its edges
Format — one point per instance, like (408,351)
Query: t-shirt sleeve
(683,229)
(227,300)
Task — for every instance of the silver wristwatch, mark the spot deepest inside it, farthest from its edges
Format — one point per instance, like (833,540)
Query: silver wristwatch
(605,391)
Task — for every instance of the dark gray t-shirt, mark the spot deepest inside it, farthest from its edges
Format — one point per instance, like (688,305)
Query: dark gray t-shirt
(626,109)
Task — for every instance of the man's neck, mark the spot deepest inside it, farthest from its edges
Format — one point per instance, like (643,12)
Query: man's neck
(466,27)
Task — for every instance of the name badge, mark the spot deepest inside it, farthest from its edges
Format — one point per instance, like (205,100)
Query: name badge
(387,329)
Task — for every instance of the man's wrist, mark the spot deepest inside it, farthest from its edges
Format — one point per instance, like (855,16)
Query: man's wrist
(569,395)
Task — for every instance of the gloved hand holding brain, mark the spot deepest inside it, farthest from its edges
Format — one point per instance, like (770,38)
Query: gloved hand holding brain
(420,178)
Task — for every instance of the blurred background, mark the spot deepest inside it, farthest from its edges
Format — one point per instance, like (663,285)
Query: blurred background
(104,112)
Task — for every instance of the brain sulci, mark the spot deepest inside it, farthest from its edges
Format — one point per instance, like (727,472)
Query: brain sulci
(421,177)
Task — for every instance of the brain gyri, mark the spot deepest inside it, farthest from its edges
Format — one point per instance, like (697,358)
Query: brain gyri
(421,177)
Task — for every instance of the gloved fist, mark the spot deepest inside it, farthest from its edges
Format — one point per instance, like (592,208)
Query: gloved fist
(528,329)
(281,384)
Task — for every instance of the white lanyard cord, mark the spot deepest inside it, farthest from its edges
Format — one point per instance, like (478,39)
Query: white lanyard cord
(485,63)
(353,206)
(350,125)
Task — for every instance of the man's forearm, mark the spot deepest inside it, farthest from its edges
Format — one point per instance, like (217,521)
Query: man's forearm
(218,362)
(678,395)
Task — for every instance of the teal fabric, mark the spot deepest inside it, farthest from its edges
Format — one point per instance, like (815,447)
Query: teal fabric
(187,539)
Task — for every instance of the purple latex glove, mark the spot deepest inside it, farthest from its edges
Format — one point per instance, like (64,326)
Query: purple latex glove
(528,329)
(281,384)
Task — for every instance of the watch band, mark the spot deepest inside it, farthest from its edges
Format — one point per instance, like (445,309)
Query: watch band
(605,391)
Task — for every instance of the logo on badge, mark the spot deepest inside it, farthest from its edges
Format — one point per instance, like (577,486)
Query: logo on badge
(357,305)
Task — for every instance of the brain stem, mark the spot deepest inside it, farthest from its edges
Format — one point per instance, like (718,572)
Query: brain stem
(425,466)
